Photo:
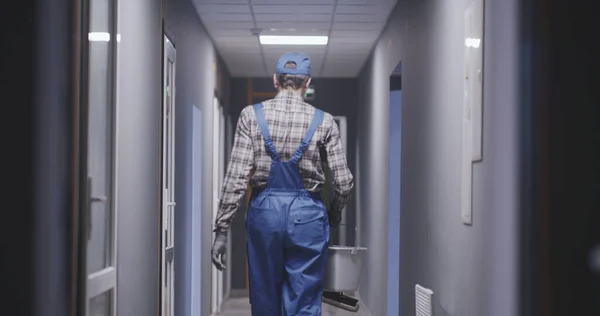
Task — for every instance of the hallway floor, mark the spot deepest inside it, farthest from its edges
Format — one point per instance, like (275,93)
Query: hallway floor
(240,306)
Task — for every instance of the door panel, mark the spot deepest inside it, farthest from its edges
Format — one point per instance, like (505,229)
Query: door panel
(100,135)
(168,207)
(216,275)
(101,305)
(100,188)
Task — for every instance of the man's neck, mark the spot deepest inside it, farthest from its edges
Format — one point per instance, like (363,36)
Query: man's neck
(293,94)
(291,91)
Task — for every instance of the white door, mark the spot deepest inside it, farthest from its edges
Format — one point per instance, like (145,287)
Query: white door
(168,182)
(221,168)
(99,101)
(217,277)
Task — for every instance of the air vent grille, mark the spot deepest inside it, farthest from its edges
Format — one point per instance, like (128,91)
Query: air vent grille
(424,301)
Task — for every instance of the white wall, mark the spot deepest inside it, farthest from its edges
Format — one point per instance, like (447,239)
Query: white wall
(394,185)
(139,109)
(437,250)
(196,82)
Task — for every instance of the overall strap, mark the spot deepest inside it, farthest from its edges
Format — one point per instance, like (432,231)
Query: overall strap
(312,128)
(264,130)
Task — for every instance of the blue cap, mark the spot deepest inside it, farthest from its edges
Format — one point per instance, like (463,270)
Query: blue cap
(302,64)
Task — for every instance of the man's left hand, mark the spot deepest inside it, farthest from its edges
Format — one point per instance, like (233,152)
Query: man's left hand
(335,218)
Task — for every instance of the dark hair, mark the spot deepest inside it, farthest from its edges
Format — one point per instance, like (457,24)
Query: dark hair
(294,82)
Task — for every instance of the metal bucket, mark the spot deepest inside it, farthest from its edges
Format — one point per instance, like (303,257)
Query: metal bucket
(344,265)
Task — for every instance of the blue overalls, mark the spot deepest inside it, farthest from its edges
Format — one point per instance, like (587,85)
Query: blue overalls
(288,236)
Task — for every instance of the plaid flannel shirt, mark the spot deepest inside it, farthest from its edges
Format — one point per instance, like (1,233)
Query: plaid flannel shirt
(288,117)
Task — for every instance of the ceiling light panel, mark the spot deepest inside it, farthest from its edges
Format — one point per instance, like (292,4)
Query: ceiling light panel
(293,40)
(278,50)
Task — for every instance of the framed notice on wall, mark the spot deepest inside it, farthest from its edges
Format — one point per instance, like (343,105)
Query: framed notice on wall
(472,148)
(473,80)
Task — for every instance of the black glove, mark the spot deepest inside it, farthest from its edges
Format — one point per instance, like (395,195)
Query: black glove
(335,218)
(219,249)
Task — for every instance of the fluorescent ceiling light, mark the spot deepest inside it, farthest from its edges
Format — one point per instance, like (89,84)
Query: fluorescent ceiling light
(293,40)
(472,42)
(101,37)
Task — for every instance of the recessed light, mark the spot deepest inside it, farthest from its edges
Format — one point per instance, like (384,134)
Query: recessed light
(293,40)
(101,37)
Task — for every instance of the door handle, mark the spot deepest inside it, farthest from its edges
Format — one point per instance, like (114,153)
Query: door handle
(90,200)
(171,203)
(98,199)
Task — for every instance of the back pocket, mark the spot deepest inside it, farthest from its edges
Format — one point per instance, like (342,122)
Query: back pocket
(309,224)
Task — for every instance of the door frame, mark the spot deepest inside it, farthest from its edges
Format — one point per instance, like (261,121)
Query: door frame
(217,277)
(168,51)
(90,285)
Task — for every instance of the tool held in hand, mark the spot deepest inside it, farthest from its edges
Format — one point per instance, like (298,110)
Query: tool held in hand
(335,217)
(344,263)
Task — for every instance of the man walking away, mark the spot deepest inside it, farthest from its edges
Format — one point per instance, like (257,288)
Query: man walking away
(277,142)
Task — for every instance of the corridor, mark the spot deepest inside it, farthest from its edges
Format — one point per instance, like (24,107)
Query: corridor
(450,147)
(240,307)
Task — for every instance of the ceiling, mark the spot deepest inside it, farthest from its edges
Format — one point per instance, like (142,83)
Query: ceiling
(353,27)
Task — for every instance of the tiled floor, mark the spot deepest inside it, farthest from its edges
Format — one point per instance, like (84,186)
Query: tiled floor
(240,307)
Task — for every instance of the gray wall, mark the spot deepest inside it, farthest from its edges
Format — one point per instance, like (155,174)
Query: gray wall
(138,160)
(336,96)
(437,250)
(196,84)
(198,72)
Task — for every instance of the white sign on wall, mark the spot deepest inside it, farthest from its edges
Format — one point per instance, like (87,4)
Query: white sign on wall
(472,103)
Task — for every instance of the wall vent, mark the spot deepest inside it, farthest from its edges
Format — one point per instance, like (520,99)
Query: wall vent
(424,301)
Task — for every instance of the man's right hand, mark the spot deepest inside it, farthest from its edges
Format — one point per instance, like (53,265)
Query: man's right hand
(219,251)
